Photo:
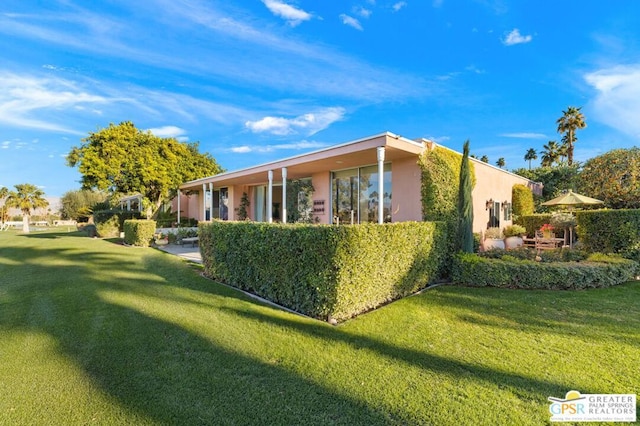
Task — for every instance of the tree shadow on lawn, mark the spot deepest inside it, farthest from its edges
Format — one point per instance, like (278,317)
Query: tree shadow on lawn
(155,367)
(606,314)
(525,387)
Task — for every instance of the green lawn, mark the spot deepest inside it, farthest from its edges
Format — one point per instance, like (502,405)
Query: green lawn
(92,332)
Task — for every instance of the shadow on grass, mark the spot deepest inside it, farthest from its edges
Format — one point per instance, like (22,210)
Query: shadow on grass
(155,367)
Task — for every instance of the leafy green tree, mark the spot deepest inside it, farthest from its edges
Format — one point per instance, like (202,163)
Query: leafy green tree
(613,177)
(124,160)
(79,204)
(501,163)
(550,154)
(26,197)
(484,159)
(531,155)
(465,203)
(4,193)
(555,179)
(571,120)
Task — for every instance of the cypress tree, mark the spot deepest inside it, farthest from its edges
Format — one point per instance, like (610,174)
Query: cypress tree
(465,204)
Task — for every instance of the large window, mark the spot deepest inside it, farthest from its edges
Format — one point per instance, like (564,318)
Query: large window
(355,195)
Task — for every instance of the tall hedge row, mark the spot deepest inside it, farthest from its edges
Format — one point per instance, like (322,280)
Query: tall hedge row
(325,271)
(522,200)
(109,223)
(610,231)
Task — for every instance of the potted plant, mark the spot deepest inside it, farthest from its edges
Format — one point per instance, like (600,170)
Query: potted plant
(161,239)
(547,230)
(513,236)
(493,239)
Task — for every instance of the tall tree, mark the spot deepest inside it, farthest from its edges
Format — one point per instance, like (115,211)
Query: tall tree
(26,197)
(4,193)
(550,154)
(78,205)
(571,120)
(531,155)
(484,159)
(124,160)
(501,163)
(465,203)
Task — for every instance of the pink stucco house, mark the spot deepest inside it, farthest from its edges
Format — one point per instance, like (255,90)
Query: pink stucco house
(347,186)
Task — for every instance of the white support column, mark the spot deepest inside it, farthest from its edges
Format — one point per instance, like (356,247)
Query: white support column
(204,202)
(270,197)
(178,207)
(381,184)
(284,195)
(129,205)
(211,206)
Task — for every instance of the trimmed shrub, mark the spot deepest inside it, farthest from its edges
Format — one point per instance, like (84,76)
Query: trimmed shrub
(110,223)
(522,200)
(439,189)
(327,272)
(138,232)
(533,222)
(511,272)
(610,231)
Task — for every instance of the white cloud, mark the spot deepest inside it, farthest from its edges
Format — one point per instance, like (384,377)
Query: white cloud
(170,132)
(245,149)
(350,21)
(514,37)
(399,5)
(308,123)
(617,102)
(361,11)
(292,15)
(525,135)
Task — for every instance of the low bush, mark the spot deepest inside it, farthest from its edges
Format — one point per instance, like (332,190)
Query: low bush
(325,271)
(512,272)
(139,232)
(110,223)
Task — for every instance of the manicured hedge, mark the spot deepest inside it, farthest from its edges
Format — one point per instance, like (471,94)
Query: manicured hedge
(522,200)
(325,271)
(533,222)
(596,271)
(139,232)
(610,231)
(109,223)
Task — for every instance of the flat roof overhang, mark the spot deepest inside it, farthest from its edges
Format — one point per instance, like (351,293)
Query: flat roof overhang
(349,155)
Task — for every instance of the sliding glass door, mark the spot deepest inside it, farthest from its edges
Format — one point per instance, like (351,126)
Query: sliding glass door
(355,195)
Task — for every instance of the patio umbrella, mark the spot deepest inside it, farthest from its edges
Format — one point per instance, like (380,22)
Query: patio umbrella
(571,199)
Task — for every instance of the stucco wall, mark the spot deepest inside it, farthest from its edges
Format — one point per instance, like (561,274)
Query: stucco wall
(322,192)
(491,184)
(406,181)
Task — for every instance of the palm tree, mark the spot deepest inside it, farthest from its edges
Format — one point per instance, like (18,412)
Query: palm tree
(550,153)
(531,155)
(4,193)
(571,120)
(26,197)
(501,163)
(484,159)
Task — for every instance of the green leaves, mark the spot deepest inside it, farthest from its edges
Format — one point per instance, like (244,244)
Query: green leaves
(122,159)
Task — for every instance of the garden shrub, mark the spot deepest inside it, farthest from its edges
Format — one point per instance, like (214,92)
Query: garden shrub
(138,232)
(512,272)
(533,222)
(439,189)
(110,223)
(325,271)
(610,231)
(522,200)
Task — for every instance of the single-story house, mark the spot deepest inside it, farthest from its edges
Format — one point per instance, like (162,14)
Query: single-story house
(350,181)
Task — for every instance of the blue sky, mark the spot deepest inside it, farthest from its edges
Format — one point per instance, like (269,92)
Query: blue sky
(259,80)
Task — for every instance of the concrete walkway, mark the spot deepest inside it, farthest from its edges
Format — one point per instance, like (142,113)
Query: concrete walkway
(185,251)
